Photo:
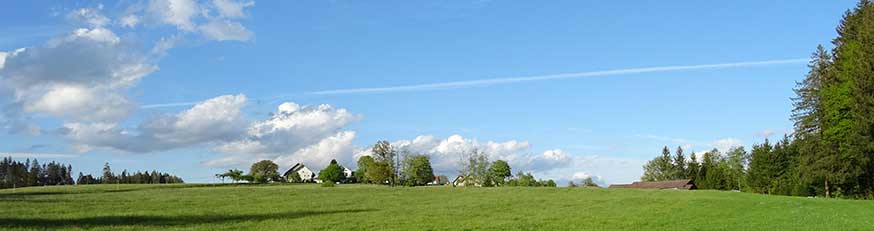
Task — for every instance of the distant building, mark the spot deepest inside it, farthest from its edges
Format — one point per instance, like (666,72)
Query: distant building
(306,175)
(439,180)
(459,181)
(671,184)
(348,173)
(463,181)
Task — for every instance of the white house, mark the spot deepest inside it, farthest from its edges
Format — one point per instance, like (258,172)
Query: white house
(347,172)
(306,175)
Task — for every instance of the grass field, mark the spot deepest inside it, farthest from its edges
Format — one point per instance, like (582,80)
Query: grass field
(365,207)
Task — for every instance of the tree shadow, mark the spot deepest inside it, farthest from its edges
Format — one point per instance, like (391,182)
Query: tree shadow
(139,187)
(151,220)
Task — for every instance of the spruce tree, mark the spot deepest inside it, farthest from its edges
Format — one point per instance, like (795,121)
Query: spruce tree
(680,164)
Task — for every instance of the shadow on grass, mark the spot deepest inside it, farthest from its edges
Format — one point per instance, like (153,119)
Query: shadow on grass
(128,188)
(149,220)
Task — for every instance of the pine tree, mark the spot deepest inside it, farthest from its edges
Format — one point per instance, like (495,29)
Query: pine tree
(108,176)
(848,106)
(814,162)
(35,176)
(660,168)
(694,168)
(680,164)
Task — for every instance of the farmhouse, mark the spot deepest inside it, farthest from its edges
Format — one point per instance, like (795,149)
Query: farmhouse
(348,173)
(671,184)
(306,175)
(459,181)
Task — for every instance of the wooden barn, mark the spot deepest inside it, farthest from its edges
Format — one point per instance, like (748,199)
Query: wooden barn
(671,184)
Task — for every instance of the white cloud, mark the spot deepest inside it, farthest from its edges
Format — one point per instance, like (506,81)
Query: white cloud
(231,8)
(727,143)
(212,121)
(338,146)
(129,21)
(308,134)
(192,16)
(81,76)
(291,129)
(2,59)
(98,34)
(90,16)
(77,101)
(225,30)
(550,159)
(179,13)
(446,155)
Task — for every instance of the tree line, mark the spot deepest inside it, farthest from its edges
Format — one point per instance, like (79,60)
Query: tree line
(389,166)
(126,177)
(14,174)
(831,150)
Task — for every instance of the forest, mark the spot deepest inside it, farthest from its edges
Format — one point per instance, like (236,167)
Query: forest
(16,174)
(830,152)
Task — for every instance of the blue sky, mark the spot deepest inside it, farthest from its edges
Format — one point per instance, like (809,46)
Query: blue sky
(196,89)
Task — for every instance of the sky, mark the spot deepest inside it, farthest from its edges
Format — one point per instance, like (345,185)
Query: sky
(565,90)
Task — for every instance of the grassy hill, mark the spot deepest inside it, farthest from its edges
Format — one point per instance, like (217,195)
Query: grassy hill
(366,207)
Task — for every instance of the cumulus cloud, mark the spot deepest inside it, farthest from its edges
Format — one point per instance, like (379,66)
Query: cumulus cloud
(294,133)
(447,154)
(193,16)
(179,13)
(556,164)
(81,76)
(2,59)
(335,147)
(215,120)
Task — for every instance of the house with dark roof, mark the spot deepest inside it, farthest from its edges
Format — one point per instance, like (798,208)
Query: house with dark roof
(670,184)
(306,175)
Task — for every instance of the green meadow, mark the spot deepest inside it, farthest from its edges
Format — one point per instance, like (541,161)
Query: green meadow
(369,207)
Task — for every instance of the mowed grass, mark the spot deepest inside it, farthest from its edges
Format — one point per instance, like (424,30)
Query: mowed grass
(368,207)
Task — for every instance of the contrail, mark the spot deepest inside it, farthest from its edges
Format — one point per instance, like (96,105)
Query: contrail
(509,80)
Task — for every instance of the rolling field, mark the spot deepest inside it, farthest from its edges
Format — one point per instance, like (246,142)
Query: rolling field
(366,207)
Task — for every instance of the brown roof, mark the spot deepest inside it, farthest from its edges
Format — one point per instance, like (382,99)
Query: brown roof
(671,184)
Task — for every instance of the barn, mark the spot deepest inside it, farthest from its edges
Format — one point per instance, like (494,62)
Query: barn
(670,184)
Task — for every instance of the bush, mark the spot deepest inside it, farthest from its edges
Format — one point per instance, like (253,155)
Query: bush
(333,173)
(328,184)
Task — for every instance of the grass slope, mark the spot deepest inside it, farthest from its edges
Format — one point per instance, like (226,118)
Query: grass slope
(366,207)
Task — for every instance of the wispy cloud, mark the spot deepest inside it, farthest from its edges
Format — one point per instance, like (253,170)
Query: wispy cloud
(36,155)
(511,80)
(160,105)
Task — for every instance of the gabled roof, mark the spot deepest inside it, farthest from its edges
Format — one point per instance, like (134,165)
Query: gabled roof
(295,168)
